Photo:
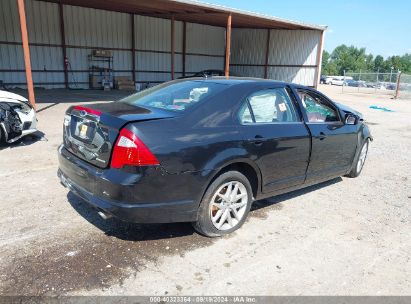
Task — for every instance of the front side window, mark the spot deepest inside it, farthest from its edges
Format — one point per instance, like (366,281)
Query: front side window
(177,96)
(318,109)
(268,106)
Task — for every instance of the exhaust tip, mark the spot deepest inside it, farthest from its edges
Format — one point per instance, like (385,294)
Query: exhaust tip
(103,215)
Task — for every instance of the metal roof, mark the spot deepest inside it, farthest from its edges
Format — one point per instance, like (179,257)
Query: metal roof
(194,11)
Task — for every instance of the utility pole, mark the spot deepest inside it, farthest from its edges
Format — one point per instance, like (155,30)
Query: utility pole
(397,89)
(376,83)
(342,87)
(359,79)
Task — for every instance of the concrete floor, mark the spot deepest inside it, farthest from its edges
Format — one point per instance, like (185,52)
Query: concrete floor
(343,237)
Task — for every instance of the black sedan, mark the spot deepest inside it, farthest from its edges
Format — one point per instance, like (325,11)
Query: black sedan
(207,73)
(202,150)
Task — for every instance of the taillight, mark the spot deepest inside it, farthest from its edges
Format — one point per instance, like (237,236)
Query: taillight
(130,150)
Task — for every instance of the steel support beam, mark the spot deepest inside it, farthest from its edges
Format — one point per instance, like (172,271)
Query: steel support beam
(320,49)
(26,51)
(184,47)
(133,49)
(172,46)
(63,45)
(227,47)
(267,52)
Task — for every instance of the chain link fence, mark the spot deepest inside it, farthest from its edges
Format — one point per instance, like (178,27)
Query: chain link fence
(372,83)
(404,88)
(396,85)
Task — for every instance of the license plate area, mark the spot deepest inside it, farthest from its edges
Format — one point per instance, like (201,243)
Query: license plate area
(83,129)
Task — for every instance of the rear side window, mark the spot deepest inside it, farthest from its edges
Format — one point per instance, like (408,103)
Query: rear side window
(268,106)
(175,96)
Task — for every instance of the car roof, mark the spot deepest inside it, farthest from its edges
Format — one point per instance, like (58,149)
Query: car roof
(212,71)
(234,80)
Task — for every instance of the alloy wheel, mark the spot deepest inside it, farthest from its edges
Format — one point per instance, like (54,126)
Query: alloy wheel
(362,157)
(228,205)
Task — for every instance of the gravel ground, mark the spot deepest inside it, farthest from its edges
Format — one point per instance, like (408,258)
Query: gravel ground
(345,237)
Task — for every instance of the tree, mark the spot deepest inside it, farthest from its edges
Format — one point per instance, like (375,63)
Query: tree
(325,60)
(406,61)
(349,59)
(370,63)
(353,59)
(331,69)
(378,63)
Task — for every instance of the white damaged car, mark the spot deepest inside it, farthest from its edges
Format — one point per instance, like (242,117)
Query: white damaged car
(17,117)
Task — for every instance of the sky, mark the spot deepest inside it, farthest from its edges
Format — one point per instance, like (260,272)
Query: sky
(382,27)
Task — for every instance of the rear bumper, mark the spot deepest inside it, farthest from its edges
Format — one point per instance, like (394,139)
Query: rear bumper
(132,197)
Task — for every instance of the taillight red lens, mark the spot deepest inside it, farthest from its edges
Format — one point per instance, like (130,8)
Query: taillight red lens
(87,110)
(130,150)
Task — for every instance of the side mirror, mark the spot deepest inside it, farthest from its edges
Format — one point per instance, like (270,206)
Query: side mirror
(351,119)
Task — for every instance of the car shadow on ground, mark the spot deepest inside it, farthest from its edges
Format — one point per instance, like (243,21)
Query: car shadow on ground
(25,141)
(47,107)
(129,231)
(275,200)
(145,232)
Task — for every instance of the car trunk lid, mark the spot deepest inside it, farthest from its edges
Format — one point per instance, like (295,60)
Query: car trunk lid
(90,131)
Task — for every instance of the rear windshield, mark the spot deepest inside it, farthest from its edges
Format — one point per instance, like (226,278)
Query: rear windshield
(175,96)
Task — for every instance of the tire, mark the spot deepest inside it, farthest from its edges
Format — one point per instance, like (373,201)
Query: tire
(359,161)
(2,136)
(218,217)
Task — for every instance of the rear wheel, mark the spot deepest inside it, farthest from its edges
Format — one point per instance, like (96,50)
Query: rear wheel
(360,160)
(225,205)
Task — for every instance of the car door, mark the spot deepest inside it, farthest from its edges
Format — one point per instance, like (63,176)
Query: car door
(333,142)
(278,140)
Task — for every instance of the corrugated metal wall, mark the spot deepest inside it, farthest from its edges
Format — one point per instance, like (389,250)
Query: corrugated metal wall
(153,49)
(205,47)
(248,52)
(293,48)
(44,36)
(292,55)
(11,56)
(43,25)
(87,29)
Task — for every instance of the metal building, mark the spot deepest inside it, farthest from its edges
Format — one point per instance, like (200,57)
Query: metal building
(150,41)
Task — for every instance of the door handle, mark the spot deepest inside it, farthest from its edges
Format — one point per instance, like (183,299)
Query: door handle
(322,136)
(258,140)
